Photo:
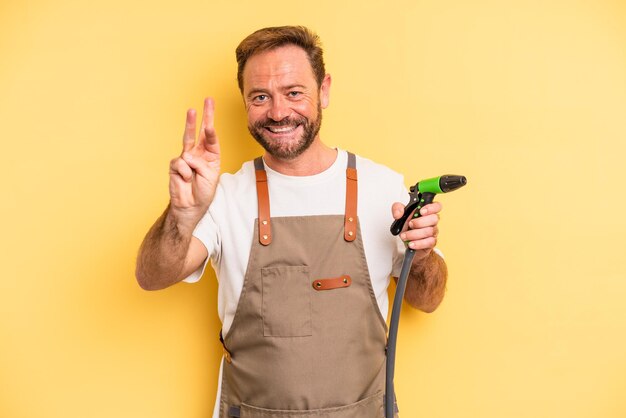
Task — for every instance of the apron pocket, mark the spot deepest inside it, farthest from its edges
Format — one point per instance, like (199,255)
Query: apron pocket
(370,407)
(286,301)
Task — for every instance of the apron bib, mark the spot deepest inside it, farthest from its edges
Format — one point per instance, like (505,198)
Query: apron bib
(307,339)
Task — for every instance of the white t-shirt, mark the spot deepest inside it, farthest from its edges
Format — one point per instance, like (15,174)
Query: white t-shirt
(227,228)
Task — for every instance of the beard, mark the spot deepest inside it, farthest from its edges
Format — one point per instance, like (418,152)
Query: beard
(287,150)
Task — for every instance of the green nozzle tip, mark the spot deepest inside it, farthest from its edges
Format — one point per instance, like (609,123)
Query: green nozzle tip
(441,184)
(430,186)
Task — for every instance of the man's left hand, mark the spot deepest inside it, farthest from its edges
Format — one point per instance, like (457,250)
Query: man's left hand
(421,233)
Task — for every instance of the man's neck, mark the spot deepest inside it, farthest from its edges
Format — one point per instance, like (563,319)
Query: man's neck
(317,158)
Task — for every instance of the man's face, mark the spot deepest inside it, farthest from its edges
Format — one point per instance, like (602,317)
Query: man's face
(283,101)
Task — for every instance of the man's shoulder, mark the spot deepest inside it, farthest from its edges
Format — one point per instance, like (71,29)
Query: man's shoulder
(235,188)
(377,172)
(240,178)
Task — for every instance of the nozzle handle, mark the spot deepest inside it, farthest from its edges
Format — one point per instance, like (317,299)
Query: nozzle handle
(413,207)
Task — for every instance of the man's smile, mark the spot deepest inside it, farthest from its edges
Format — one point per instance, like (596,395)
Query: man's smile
(280,129)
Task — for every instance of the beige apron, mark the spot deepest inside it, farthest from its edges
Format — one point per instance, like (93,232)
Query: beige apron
(307,339)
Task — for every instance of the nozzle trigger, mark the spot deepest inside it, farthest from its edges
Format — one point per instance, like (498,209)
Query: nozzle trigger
(398,224)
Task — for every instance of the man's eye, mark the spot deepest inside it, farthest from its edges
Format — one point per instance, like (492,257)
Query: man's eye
(260,98)
(294,93)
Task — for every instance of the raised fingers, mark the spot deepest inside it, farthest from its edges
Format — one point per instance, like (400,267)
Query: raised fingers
(207,113)
(207,131)
(189,137)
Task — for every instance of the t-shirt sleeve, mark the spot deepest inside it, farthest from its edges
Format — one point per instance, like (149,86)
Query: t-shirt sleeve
(207,232)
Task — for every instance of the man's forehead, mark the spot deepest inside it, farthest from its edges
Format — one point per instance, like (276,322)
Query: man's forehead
(289,62)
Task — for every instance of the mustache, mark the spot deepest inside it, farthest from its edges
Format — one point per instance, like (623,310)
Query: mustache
(260,124)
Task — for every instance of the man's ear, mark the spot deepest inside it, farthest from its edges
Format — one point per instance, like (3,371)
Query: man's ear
(325,91)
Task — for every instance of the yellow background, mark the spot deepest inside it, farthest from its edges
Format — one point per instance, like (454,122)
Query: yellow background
(525,98)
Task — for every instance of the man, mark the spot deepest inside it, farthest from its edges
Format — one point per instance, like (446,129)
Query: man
(299,241)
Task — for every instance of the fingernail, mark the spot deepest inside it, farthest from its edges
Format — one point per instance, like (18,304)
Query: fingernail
(411,224)
(411,245)
(403,236)
(424,211)
(187,156)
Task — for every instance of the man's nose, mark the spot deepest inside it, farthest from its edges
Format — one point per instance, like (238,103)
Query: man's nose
(279,109)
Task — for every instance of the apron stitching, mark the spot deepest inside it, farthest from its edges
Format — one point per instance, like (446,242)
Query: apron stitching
(244,288)
(369,281)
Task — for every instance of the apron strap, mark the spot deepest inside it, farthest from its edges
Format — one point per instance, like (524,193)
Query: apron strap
(263,198)
(349,225)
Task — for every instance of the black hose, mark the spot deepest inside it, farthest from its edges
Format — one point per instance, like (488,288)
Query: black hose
(390,400)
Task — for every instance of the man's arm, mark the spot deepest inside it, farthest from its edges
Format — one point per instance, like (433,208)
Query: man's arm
(169,252)
(426,284)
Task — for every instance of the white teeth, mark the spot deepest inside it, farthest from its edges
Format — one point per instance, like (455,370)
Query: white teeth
(281,130)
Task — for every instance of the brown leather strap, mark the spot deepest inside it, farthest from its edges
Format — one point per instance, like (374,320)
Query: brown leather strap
(333,283)
(349,228)
(263,198)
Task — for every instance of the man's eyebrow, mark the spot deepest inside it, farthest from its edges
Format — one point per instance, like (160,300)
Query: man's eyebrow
(254,92)
(295,86)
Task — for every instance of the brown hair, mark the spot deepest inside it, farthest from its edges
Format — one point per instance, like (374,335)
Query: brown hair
(270,38)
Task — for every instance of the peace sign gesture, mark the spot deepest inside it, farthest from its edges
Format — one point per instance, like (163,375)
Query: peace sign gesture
(195,173)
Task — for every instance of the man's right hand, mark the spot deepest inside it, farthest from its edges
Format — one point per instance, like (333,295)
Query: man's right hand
(195,173)
(169,252)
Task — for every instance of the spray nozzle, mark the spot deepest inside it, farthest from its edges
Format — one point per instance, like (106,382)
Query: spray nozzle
(441,184)
(423,193)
